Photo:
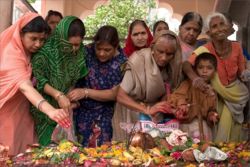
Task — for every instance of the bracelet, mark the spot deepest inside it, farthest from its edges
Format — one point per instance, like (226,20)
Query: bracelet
(86,93)
(59,95)
(39,103)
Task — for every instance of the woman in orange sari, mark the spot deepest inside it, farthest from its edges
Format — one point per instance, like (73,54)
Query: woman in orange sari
(17,44)
(231,71)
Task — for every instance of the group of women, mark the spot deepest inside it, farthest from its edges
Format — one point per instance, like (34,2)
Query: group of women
(59,76)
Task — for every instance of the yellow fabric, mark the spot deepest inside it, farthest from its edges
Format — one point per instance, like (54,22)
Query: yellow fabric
(200,50)
(228,128)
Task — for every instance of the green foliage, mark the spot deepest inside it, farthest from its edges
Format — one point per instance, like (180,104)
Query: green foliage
(118,13)
(31,1)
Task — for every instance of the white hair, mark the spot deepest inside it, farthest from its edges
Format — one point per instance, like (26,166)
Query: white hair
(213,15)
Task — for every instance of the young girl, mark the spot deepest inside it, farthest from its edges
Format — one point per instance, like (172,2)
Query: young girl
(196,109)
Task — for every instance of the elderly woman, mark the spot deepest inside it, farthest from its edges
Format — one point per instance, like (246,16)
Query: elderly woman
(97,92)
(148,71)
(139,36)
(231,69)
(57,66)
(18,43)
(189,30)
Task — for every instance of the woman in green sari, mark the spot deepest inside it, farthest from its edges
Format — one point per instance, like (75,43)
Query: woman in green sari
(56,67)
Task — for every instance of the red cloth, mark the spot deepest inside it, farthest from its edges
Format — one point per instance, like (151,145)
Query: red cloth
(129,46)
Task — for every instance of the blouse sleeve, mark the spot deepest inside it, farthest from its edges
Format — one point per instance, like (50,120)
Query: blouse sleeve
(39,69)
(127,83)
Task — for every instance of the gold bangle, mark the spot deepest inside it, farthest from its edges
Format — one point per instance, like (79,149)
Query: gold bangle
(39,103)
(86,93)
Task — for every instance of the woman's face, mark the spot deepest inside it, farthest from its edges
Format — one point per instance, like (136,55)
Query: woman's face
(76,42)
(139,36)
(33,41)
(104,51)
(218,29)
(189,32)
(161,26)
(53,21)
(164,51)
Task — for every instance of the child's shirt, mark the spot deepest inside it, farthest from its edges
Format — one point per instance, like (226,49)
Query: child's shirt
(199,102)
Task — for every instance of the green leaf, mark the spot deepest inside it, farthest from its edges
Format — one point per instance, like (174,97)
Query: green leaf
(118,13)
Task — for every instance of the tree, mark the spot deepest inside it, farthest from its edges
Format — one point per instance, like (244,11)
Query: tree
(31,1)
(118,13)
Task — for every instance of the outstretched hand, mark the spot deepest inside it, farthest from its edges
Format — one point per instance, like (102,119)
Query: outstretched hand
(76,94)
(163,106)
(60,116)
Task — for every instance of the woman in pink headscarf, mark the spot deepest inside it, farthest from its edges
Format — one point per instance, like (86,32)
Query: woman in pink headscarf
(139,36)
(17,44)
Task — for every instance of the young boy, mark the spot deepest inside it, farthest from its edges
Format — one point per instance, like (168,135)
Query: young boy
(193,108)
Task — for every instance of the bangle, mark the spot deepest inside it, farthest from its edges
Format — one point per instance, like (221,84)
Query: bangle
(58,96)
(86,93)
(39,103)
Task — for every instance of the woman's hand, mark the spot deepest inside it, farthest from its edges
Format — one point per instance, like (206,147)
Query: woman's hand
(64,102)
(61,117)
(74,105)
(159,107)
(77,94)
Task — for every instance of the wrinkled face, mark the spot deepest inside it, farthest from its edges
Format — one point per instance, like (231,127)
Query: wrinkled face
(163,51)
(161,26)
(189,32)
(53,21)
(205,70)
(76,42)
(33,41)
(139,36)
(104,51)
(218,29)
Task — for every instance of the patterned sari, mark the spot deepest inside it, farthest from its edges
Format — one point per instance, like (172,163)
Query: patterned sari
(101,76)
(55,64)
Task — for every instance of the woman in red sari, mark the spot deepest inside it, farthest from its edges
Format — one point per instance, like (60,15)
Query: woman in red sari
(139,36)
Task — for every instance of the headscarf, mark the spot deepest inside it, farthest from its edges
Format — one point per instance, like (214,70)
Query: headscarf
(14,63)
(58,51)
(57,65)
(175,65)
(130,47)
